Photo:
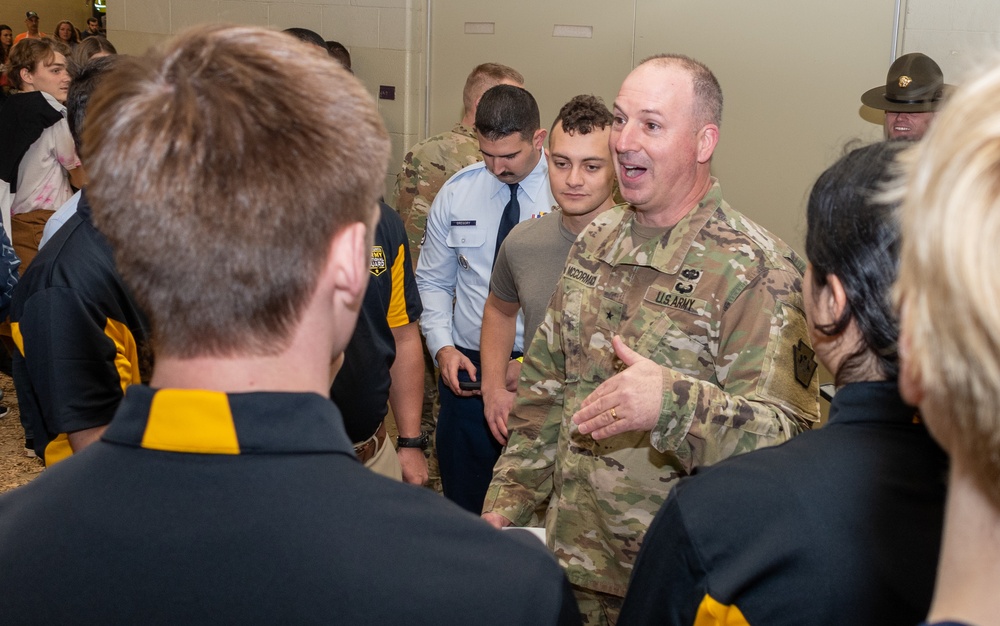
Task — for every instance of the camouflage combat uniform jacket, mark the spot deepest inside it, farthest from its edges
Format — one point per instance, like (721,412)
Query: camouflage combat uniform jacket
(425,170)
(718,301)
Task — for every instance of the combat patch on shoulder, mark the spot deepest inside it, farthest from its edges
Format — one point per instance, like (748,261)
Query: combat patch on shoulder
(805,363)
(580,275)
(379,264)
(681,302)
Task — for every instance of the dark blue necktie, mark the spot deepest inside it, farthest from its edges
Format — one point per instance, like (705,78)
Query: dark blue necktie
(509,219)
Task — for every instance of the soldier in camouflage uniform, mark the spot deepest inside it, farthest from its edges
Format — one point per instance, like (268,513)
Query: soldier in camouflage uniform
(426,168)
(676,338)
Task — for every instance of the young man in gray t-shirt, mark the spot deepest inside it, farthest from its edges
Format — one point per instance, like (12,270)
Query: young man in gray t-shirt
(532,257)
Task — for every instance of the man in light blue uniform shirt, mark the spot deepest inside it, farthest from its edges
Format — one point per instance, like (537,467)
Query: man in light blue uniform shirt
(468,220)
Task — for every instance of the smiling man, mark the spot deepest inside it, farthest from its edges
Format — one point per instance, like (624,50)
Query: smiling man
(913,92)
(469,219)
(675,338)
(531,259)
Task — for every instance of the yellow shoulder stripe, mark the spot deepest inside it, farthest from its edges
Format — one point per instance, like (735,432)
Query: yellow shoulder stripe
(398,315)
(15,334)
(58,450)
(182,420)
(711,612)
(126,353)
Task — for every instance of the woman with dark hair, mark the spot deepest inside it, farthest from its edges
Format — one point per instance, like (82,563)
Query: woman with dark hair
(838,526)
(6,41)
(67,33)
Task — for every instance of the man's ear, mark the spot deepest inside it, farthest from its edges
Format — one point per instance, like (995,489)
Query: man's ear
(349,261)
(708,138)
(538,139)
(26,78)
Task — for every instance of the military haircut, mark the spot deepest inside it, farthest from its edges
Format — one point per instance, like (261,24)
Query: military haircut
(707,91)
(28,53)
(484,76)
(948,293)
(220,174)
(339,52)
(853,235)
(307,36)
(583,114)
(505,110)
(80,90)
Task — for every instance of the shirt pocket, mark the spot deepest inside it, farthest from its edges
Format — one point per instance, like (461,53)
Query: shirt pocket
(465,237)
(468,244)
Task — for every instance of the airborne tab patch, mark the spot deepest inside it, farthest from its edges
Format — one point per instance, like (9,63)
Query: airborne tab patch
(805,363)
(379,263)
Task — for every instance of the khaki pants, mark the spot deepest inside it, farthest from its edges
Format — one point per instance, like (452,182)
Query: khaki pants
(385,462)
(26,232)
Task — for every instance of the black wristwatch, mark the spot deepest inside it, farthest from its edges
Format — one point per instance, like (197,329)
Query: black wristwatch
(414,442)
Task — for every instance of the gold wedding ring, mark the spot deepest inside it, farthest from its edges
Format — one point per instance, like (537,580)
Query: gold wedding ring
(614,415)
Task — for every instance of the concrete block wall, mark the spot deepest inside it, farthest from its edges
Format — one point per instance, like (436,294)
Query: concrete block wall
(959,34)
(385,37)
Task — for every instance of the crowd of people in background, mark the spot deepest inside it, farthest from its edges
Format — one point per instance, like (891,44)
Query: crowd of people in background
(213,313)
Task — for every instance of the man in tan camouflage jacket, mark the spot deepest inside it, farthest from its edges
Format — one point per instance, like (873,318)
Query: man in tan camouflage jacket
(676,338)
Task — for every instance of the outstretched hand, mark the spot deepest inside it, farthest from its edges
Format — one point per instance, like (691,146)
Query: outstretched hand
(628,401)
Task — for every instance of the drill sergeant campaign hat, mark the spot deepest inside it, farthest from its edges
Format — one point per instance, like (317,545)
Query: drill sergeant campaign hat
(914,84)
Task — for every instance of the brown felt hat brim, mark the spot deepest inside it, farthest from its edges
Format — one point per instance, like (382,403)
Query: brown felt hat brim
(875,98)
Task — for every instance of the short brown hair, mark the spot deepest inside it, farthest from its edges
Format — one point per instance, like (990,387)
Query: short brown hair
(222,165)
(485,76)
(583,114)
(707,91)
(28,53)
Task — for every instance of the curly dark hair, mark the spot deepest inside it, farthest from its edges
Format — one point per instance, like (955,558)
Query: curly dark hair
(582,114)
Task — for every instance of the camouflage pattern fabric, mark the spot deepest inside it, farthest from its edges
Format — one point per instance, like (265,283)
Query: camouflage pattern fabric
(426,167)
(718,302)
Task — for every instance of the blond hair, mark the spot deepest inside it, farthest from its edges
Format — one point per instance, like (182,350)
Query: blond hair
(485,76)
(222,165)
(947,288)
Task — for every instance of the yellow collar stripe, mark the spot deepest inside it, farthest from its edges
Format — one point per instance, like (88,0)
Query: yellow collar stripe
(711,612)
(191,421)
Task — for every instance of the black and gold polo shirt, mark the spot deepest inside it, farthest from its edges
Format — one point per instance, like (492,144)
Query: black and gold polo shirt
(81,338)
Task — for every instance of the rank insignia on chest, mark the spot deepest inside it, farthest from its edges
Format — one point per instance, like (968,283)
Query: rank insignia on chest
(609,316)
(379,263)
(805,363)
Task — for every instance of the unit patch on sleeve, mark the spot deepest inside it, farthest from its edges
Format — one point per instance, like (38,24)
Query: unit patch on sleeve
(805,363)
(379,263)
